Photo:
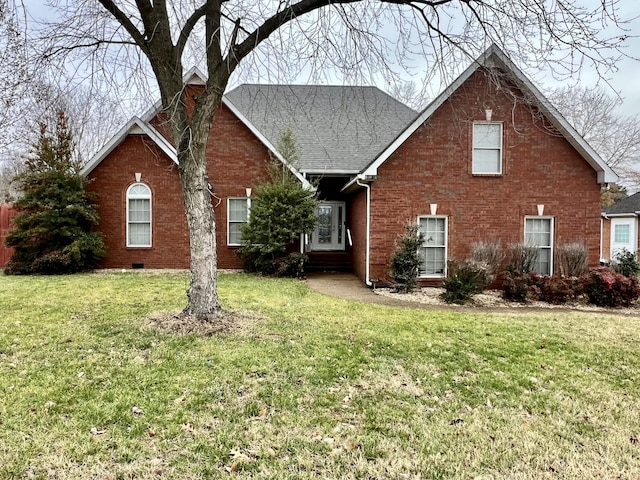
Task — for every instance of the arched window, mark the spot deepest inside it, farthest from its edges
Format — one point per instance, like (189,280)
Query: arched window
(138,215)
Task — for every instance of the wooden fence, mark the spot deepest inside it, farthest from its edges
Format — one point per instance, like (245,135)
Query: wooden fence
(7,212)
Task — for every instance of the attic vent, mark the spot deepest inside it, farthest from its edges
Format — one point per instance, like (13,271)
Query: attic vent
(137,265)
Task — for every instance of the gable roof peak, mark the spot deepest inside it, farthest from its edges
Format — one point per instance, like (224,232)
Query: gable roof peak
(194,76)
(494,57)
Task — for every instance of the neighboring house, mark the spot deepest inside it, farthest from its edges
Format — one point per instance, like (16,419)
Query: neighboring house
(489,159)
(620,227)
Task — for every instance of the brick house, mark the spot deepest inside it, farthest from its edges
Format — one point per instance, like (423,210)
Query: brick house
(488,159)
(621,227)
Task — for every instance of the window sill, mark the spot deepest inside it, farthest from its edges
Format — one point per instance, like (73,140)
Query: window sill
(487,174)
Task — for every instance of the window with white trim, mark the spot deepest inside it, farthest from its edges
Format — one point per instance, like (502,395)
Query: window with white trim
(433,253)
(487,148)
(138,215)
(538,232)
(622,233)
(237,218)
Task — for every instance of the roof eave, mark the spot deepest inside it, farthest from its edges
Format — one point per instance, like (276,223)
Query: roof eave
(614,215)
(604,173)
(135,126)
(274,151)
(356,182)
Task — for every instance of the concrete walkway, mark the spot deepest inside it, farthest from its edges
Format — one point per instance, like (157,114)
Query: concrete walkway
(350,287)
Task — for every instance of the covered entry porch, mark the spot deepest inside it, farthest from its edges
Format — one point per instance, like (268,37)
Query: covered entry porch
(329,246)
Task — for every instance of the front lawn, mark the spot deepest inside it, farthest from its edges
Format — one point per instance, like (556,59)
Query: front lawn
(310,387)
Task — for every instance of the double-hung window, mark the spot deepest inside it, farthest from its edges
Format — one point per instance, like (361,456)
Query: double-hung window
(237,218)
(433,253)
(138,215)
(487,148)
(538,232)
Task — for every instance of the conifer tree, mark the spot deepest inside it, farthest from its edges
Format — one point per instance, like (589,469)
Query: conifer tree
(52,232)
(281,210)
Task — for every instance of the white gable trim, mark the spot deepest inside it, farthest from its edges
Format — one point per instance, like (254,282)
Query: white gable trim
(493,54)
(266,143)
(194,76)
(135,126)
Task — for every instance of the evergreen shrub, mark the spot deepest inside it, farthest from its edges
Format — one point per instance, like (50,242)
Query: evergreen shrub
(405,260)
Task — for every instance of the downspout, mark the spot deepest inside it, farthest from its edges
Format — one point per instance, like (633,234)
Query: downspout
(368,229)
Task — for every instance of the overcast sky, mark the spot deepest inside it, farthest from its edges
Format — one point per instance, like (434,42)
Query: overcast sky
(624,81)
(627,79)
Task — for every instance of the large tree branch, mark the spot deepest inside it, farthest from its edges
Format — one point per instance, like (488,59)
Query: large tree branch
(260,34)
(123,20)
(241,50)
(213,34)
(188,27)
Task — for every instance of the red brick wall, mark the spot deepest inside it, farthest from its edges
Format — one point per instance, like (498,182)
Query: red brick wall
(236,161)
(110,181)
(434,166)
(606,239)
(358,226)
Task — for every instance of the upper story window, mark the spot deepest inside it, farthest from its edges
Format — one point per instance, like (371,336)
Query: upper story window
(433,253)
(237,218)
(487,148)
(538,232)
(138,215)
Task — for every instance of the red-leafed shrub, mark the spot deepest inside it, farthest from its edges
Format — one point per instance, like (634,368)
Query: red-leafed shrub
(518,286)
(606,288)
(556,290)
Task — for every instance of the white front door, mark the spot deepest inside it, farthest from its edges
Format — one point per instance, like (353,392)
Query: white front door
(624,235)
(330,230)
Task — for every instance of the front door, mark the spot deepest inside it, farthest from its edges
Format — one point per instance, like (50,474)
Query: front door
(330,229)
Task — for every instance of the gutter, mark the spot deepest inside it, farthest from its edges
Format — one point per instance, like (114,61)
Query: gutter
(368,228)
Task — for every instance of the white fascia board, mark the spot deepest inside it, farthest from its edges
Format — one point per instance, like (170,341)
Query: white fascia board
(267,143)
(620,215)
(328,172)
(604,173)
(152,111)
(372,168)
(194,76)
(135,126)
(358,181)
(351,184)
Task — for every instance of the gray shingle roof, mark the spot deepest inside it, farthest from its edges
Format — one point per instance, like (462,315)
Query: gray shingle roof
(629,205)
(338,128)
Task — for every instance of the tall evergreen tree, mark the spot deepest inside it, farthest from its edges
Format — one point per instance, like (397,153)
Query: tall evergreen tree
(281,210)
(52,233)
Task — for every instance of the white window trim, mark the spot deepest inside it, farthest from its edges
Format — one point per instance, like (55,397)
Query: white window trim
(446,245)
(473,148)
(128,197)
(628,232)
(248,199)
(552,239)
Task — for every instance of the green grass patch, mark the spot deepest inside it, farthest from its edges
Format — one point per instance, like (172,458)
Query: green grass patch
(314,387)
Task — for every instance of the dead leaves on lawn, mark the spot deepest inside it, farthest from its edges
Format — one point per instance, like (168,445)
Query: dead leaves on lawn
(226,321)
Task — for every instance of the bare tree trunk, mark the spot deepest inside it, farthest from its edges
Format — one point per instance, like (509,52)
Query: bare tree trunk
(203,293)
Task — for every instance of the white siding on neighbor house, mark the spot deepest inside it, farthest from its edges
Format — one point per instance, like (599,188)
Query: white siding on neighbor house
(624,235)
